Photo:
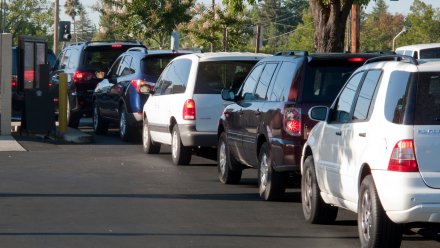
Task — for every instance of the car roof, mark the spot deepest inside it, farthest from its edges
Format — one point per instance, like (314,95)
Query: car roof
(226,56)
(322,56)
(429,65)
(419,46)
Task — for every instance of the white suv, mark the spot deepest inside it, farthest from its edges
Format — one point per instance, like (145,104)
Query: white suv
(376,151)
(184,108)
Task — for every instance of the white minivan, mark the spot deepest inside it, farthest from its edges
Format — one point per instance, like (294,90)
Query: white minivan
(421,51)
(184,108)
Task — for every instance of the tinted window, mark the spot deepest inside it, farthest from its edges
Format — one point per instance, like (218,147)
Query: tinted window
(249,85)
(114,69)
(102,57)
(283,82)
(125,68)
(266,77)
(14,61)
(345,101)
(213,76)
(154,65)
(325,78)
(432,53)
(65,59)
(396,99)
(366,95)
(427,108)
(176,77)
(73,60)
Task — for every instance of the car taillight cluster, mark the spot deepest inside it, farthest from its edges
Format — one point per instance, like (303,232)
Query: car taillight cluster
(138,83)
(14,82)
(189,110)
(292,121)
(403,157)
(82,77)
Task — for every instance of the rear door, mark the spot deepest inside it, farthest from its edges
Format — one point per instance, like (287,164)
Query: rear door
(427,127)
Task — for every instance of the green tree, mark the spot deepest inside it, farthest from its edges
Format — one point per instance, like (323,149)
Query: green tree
(424,25)
(72,8)
(379,28)
(111,20)
(330,18)
(30,17)
(302,37)
(85,28)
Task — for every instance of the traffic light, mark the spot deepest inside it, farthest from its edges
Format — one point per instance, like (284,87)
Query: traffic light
(64,32)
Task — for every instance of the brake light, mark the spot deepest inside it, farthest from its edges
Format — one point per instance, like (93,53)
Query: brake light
(403,157)
(116,46)
(189,110)
(292,121)
(82,77)
(14,82)
(357,59)
(137,84)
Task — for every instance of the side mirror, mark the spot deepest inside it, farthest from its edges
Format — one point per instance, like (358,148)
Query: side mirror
(319,113)
(228,95)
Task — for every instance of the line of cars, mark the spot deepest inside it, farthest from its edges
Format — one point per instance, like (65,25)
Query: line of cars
(373,150)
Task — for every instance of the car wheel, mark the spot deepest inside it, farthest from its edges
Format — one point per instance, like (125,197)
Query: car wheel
(125,131)
(229,170)
(271,184)
(100,126)
(180,154)
(315,210)
(147,143)
(374,226)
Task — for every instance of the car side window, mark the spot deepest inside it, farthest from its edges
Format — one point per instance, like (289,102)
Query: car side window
(265,79)
(247,92)
(344,103)
(175,78)
(65,59)
(366,93)
(282,84)
(160,81)
(114,69)
(74,59)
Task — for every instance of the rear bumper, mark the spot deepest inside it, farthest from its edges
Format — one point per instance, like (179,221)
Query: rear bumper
(286,154)
(406,198)
(191,137)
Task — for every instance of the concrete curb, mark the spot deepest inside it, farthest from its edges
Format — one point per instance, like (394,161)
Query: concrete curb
(9,144)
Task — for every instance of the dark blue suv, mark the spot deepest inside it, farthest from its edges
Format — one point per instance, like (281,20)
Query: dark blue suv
(120,96)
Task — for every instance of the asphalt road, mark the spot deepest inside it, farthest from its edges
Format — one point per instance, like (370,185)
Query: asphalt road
(110,194)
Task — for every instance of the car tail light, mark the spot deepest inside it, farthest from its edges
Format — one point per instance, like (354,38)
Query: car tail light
(116,46)
(403,157)
(292,121)
(14,82)
(82,77)
(138,83)
(357,59)
(189,110)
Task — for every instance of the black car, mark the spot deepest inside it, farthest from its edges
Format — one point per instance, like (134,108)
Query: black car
(81,62)
(120,97)
(267,124)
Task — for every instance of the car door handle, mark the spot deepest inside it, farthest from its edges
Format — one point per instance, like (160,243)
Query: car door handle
(363,134)
(339,133)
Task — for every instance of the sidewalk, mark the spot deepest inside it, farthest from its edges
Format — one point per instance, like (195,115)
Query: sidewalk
(9,144)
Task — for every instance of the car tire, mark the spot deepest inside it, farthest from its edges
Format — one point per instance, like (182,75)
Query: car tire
(315,210)
(229,169)
(271,184)
(148,145)
(100,126)
(180,154)
(126,132)
(374,226)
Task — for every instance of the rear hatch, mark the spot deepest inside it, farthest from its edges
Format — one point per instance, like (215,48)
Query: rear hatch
(427,127)
(212,77)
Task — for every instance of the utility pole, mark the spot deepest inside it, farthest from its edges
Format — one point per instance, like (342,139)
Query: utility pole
(355,28)
(257,39)
(55,26)
(213,17)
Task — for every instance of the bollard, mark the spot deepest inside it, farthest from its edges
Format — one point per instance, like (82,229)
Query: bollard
(62,103)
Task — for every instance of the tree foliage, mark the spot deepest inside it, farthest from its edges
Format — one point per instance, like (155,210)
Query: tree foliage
(85,29)
(29,17)
(302,37)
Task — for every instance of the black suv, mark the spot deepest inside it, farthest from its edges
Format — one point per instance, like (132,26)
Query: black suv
(81,62)
(120,97)
(267,124)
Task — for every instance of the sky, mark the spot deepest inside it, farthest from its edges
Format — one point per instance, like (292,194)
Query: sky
(400,6)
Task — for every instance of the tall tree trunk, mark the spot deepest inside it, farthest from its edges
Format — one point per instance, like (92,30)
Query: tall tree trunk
(330,22)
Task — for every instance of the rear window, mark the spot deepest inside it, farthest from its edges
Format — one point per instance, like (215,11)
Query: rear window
(102,57)
(213,76)
(154,65)
(325,78)
(427,107)
(432,53)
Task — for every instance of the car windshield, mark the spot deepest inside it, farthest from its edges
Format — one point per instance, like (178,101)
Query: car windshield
(325,78)
(154,65)
(213,76)
(102,57)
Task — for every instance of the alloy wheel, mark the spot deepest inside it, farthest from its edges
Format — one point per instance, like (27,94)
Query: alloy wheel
(264,171)
(222,158)
(366,218)
(308,193)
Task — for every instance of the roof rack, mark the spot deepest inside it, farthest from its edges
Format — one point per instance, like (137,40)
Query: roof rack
(403,58)
(292,53)
(138,49)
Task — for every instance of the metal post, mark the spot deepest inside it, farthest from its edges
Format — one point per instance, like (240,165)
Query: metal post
(401,32)
(5,81)
(62,104)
